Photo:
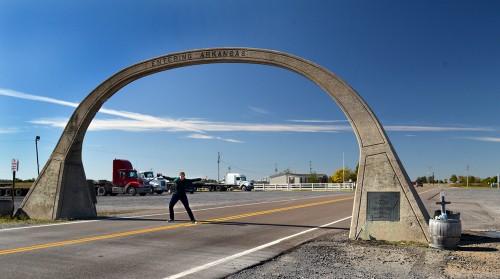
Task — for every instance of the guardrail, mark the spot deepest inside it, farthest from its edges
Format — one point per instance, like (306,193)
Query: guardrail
(305,187)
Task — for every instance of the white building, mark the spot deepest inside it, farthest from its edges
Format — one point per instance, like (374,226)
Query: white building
(295,178)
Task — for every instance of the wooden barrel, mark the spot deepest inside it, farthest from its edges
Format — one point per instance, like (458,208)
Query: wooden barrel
(5,207)
(445,234)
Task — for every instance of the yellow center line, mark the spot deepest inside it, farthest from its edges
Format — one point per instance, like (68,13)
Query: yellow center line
(162,228)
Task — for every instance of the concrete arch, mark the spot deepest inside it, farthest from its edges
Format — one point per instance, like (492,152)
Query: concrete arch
(61,190)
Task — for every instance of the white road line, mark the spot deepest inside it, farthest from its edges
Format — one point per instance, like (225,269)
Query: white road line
(152,215)
(428,191)
(223,260)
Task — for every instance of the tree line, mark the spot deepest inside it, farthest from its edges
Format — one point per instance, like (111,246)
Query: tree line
(347,174)
(459,179)
(17,180)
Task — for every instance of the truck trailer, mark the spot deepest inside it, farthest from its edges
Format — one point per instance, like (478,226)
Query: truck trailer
(232,181)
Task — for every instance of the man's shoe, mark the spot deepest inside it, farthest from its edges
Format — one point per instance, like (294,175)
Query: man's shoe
(194,222)
(170,221)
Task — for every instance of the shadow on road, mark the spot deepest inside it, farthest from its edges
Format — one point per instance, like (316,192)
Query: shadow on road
(224,223)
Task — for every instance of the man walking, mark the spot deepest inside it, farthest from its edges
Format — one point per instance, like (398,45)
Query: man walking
(179,193)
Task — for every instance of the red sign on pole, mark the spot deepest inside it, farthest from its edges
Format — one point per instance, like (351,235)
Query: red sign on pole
(15,165)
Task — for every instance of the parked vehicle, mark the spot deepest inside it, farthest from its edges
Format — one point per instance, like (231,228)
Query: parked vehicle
(231,181)
(156,183)
(125,181)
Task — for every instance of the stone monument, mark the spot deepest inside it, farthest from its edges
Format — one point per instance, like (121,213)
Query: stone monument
(386,206)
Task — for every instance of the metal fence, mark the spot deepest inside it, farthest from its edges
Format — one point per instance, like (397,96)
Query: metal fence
(305,187)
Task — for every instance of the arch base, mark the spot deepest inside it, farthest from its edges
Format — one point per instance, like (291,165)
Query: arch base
(61,192)
(386,206)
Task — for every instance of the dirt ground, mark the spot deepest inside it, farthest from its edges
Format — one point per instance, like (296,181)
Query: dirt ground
(334,256)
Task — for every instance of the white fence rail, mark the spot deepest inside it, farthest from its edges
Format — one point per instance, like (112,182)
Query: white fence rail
(305,187)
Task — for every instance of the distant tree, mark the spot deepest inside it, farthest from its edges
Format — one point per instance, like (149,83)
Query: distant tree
(454,178)
(342,174)
(487,181)
(354,174)
(313,178)
(462,179)
(421,179)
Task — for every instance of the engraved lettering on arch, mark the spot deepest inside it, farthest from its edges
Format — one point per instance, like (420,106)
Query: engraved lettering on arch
(222,53)
(171,59)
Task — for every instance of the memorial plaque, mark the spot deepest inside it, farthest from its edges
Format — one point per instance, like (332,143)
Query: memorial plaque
(383,206)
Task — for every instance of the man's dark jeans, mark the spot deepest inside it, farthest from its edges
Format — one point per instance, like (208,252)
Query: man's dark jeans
(183,198)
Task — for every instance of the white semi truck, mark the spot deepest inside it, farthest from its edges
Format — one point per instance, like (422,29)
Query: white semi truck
(157,183)
(239,181)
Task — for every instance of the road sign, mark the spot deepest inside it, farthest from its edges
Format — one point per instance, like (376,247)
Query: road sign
(15,165)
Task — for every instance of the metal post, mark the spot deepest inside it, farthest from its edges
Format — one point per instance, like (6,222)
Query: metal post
(467,175)
(13,187)
(36,145)
(343,168)
(218,162)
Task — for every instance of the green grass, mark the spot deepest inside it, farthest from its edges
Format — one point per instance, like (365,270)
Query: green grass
(24,220)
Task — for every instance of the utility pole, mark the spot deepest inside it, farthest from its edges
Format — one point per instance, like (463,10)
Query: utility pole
(275,168)
(37,138)
(310,168)
(343,168)
(467,171)
(429,175)
(218,163)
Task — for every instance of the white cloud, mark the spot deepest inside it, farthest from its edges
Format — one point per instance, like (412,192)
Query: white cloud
(259,110)
(198,125)
(436,129)
(148,120)
(207,137)
(486,139)
(316,121)
(20,95)
(200,136)
(8,130)
(137,122)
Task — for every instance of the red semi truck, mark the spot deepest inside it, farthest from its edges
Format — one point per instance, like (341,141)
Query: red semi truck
(125,181)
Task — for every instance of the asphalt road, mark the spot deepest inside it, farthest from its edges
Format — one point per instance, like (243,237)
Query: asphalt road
(235,230)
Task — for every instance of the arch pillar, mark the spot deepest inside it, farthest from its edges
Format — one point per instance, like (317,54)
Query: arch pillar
(61,190)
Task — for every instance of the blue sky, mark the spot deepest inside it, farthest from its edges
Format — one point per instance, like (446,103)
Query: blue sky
(428,69)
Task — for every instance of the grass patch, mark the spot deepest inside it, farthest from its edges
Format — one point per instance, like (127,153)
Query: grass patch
(409,243)
(24,220)
(391,243)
